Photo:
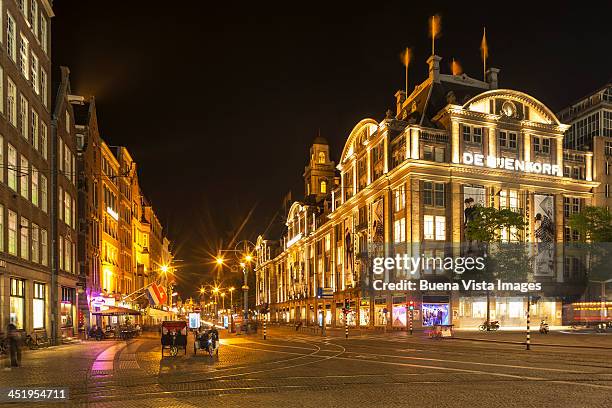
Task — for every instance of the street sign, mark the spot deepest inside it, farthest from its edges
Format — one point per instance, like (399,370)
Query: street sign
(325,293)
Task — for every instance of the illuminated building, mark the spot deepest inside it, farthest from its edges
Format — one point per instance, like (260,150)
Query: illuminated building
(115,255)
(64,221)
(26,293)
(590,132)
(402,186)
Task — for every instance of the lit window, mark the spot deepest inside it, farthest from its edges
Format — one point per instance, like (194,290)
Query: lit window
(12,232)
(428,227)
(11,101)
(34,186)
(321,157)
(11,39)
(24,176)
(38,306)
(34,74)
(12,167)
(34,129)
(35,243)
(440,228)
(23,116)
(399,230)
(24,51)
(44,247)
(323,187)
(43,193)
(25,238)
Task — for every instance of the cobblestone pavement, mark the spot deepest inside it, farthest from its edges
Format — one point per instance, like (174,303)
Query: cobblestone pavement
(292,369)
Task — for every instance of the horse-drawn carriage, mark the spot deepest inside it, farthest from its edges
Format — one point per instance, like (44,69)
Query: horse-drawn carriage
(174,336)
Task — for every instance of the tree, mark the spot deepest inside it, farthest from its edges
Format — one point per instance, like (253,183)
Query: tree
(593,223)
(508,261)
(487,224)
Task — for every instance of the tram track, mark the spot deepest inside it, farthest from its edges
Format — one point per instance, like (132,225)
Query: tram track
(107,388)
(252,381)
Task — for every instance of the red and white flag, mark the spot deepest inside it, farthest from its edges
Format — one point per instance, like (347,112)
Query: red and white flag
(156,294)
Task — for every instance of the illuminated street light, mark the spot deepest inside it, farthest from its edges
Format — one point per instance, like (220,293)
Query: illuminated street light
(248,258)
(219,261)
(164,268)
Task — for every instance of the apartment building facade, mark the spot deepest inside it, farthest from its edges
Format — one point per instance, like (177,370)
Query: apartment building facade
(26,169)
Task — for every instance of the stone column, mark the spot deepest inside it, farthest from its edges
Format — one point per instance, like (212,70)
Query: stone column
(526,146)
(491,141)
(455,142)
(589,166)
(414,143)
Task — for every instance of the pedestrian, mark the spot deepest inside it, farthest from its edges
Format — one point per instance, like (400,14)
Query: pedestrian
(14,340)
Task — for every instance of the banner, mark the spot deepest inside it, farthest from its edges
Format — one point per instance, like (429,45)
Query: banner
(544,233)
(156,294)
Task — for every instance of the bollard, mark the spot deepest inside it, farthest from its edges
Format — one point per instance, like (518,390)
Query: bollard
(346,328)
(264,324)
(411,318)
(528,332)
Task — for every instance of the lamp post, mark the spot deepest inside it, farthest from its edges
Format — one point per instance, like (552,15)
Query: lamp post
(223,300)
(244,257)
(231,291)
(245,293)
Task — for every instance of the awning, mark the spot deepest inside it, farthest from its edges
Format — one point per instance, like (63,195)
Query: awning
(117,311)
(159,313)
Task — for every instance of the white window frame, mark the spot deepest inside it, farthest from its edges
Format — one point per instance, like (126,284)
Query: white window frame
(12,167)
(24,56)
(35,186)
(12,232)
(11,101)
(24,177)
(11,37)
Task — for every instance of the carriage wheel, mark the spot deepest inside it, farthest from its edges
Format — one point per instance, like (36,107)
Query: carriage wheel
(173,351)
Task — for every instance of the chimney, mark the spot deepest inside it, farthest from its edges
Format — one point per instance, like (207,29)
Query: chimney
(434,67)
(491,76)
(400,97)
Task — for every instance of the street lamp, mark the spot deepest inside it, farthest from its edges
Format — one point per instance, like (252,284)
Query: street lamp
(223,300)
(231,291)
(244,257)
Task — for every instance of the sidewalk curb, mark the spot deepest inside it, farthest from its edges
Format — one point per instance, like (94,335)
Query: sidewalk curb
(532,343)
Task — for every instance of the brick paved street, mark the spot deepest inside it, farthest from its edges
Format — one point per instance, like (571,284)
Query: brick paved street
(294,369)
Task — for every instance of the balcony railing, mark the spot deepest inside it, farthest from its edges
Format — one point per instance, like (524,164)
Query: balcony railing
(434,136)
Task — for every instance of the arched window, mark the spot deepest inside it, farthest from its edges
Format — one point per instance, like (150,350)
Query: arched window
(321,157)
(323,187)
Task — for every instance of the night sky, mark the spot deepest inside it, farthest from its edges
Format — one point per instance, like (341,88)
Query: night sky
(218,104)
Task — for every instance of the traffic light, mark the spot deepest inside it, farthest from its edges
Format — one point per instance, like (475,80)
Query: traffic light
(411,305)
(347,306)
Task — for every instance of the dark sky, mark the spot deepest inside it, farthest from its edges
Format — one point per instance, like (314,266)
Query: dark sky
(218,102)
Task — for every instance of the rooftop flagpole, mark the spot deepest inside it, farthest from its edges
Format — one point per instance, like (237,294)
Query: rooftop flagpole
(484,51)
